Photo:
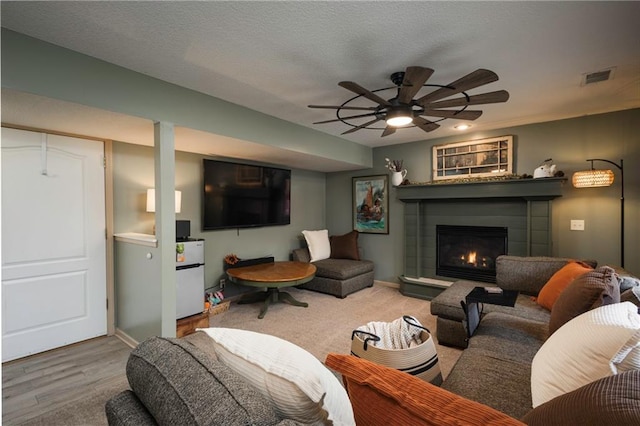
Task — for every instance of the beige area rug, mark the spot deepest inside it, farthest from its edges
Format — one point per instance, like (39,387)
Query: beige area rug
(326,325)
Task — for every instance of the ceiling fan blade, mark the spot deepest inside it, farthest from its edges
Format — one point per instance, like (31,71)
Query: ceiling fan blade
(344,107)
(389,130)
(425,124)
(475,79)
(345,118)
(356,88)
(485,98)
(462,115)
(362,126)
(414,79)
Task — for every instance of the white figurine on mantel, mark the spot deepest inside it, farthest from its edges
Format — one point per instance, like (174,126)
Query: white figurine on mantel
(546,169)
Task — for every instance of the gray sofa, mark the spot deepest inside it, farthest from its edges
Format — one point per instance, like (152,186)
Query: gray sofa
(181,382)
(527,275)
(339,277)
(495,367)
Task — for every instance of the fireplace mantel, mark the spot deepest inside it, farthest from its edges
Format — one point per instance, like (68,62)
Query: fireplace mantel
(528,189)
(523,206)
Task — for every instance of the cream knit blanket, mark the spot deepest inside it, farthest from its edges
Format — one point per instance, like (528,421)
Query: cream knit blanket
(398,334)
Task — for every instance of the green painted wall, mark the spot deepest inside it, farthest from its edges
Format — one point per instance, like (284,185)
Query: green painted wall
(569,142)
(133,168)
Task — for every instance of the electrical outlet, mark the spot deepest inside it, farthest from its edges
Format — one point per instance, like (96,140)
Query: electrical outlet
(577,225)
(223,282)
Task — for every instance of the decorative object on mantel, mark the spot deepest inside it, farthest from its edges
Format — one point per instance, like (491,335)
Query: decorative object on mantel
(479,158)
(398,178)
(595,178)
(371,204)
(545,169)
(394,165)
(398,174)
(403,111)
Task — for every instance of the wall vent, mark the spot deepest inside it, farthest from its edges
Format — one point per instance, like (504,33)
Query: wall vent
(597,76)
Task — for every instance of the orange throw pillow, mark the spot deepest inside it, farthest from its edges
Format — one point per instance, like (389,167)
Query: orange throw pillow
(381,395)
(559,281)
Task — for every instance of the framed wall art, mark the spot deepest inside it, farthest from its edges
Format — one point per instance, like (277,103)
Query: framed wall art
(371,204)
(479,158)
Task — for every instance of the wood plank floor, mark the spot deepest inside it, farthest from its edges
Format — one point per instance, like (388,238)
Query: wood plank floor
(46,382)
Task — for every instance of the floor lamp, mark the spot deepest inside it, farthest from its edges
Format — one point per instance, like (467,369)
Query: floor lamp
(593,178)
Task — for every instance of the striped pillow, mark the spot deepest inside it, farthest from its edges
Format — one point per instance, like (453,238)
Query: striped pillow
(599,343)
(300,387)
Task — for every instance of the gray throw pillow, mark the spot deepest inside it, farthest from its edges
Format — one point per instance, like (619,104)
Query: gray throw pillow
(180,385)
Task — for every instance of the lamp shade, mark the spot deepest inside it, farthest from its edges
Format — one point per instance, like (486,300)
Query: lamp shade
(151,200)
(592,178)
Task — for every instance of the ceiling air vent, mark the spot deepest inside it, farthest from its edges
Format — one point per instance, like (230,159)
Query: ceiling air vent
(595,77)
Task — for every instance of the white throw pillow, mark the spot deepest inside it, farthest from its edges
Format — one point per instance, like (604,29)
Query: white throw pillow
(318,243)
(299,385)
(599,343)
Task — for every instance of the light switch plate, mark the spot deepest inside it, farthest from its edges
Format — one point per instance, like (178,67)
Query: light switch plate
(577,225)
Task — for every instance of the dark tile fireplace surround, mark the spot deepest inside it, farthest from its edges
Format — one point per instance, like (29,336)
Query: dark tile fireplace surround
(520,207)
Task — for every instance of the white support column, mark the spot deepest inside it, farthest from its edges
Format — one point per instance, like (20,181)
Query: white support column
(165,171)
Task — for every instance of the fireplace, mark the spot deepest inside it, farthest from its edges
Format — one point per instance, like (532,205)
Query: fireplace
(469,252)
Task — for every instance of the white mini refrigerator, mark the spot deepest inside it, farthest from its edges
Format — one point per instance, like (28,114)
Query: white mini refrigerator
(189,278)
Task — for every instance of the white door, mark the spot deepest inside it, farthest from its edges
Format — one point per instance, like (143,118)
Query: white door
(53,242)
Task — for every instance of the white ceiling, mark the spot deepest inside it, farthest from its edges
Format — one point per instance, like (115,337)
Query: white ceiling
(278,57)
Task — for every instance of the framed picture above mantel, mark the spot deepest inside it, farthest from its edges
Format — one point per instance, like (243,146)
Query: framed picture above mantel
(478,158)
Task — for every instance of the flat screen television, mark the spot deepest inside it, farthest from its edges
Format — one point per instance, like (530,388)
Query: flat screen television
(242,195)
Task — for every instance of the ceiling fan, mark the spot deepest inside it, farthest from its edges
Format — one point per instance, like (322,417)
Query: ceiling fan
(404,109)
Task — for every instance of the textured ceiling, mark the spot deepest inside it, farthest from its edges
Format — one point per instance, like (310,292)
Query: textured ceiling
(278,57)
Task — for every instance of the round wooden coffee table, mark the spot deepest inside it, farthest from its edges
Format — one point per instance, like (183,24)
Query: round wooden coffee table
(272,276)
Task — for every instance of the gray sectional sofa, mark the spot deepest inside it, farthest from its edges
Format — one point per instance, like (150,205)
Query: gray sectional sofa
(527,275)
(180,381)
(496,366)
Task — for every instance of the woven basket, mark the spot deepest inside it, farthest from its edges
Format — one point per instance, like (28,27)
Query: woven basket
(420,361)
(219,308)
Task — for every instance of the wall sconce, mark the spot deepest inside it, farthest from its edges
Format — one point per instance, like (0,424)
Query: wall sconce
(594,178)
(151,201)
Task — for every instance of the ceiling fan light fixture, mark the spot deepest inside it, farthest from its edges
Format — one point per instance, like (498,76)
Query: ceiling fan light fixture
(406,110)
(399,117)
(462,126)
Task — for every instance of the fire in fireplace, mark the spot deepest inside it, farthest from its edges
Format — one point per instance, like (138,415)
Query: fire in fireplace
(469,252)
